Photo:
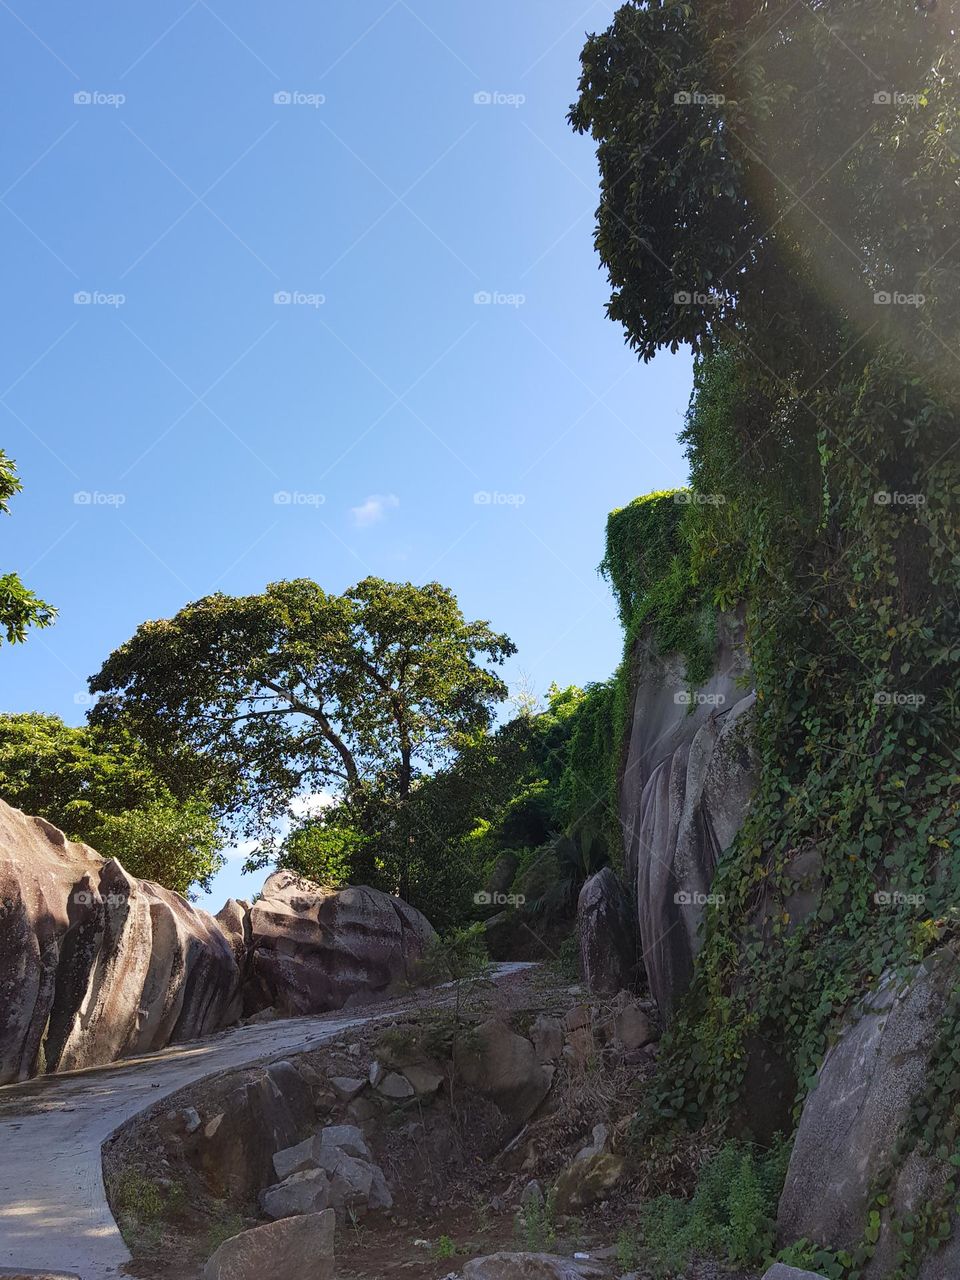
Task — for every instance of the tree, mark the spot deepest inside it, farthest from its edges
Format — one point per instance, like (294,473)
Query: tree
(20,608)
(298,690)
(105,793)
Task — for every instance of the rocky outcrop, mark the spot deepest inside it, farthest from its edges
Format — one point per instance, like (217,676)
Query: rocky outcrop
(505,1067)
(606,935)
(95,964)
(688,779)
(851,1120)
(294,1248)
(315,948)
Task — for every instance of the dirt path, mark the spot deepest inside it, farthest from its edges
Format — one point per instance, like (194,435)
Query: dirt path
(54,1214)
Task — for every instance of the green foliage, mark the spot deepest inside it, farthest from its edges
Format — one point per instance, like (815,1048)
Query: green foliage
(824,429)
(20,608)
(573,858)
(175,843)
(298,690)
(731,1215)
(104,791)
(328,853)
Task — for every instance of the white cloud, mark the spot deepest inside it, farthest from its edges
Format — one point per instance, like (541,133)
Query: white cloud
(311,804)
(374,509)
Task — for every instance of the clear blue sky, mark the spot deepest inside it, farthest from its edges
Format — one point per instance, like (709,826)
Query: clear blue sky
(384,197)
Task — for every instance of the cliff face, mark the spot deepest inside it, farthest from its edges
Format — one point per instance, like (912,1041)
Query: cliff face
(97,965)
(688,778)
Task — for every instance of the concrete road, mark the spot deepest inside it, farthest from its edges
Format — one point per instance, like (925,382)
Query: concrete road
(54,1215)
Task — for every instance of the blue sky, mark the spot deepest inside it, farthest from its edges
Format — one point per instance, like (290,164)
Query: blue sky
(290,288)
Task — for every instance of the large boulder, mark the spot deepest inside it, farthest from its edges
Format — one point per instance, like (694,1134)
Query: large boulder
(591,1175)
(506,1068)
(688,779)
(95,964)
(249,1119)
(315,948)
(857,1109)
(299,1248)
(606,935)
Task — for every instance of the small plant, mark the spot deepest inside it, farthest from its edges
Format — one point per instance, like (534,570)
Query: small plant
(730,1215)
(535,1226)
(224,1229)
(445,1248)
(809,1257)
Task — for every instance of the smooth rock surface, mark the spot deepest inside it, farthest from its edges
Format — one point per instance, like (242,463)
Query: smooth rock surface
(307,1191)
(852,1116)
(606,935)
(95,964)
(315,948)
(294,1249)
(688,779)
(504,1066)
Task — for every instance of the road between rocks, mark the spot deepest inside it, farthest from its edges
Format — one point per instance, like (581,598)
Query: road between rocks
(54,1216)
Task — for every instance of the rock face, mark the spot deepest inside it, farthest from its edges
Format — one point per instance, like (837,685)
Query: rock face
(314,949)
(853,1115)
(606,935)
(95,964)
(590,1176)
(688,779)
(294,1248)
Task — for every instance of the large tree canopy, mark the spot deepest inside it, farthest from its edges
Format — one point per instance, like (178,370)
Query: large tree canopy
(105,792)
(20,608)
(297,690)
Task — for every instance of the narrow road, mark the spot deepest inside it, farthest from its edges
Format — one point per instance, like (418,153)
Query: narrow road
(54,1215)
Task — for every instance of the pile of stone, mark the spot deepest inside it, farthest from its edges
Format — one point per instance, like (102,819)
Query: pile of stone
(333,1169)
